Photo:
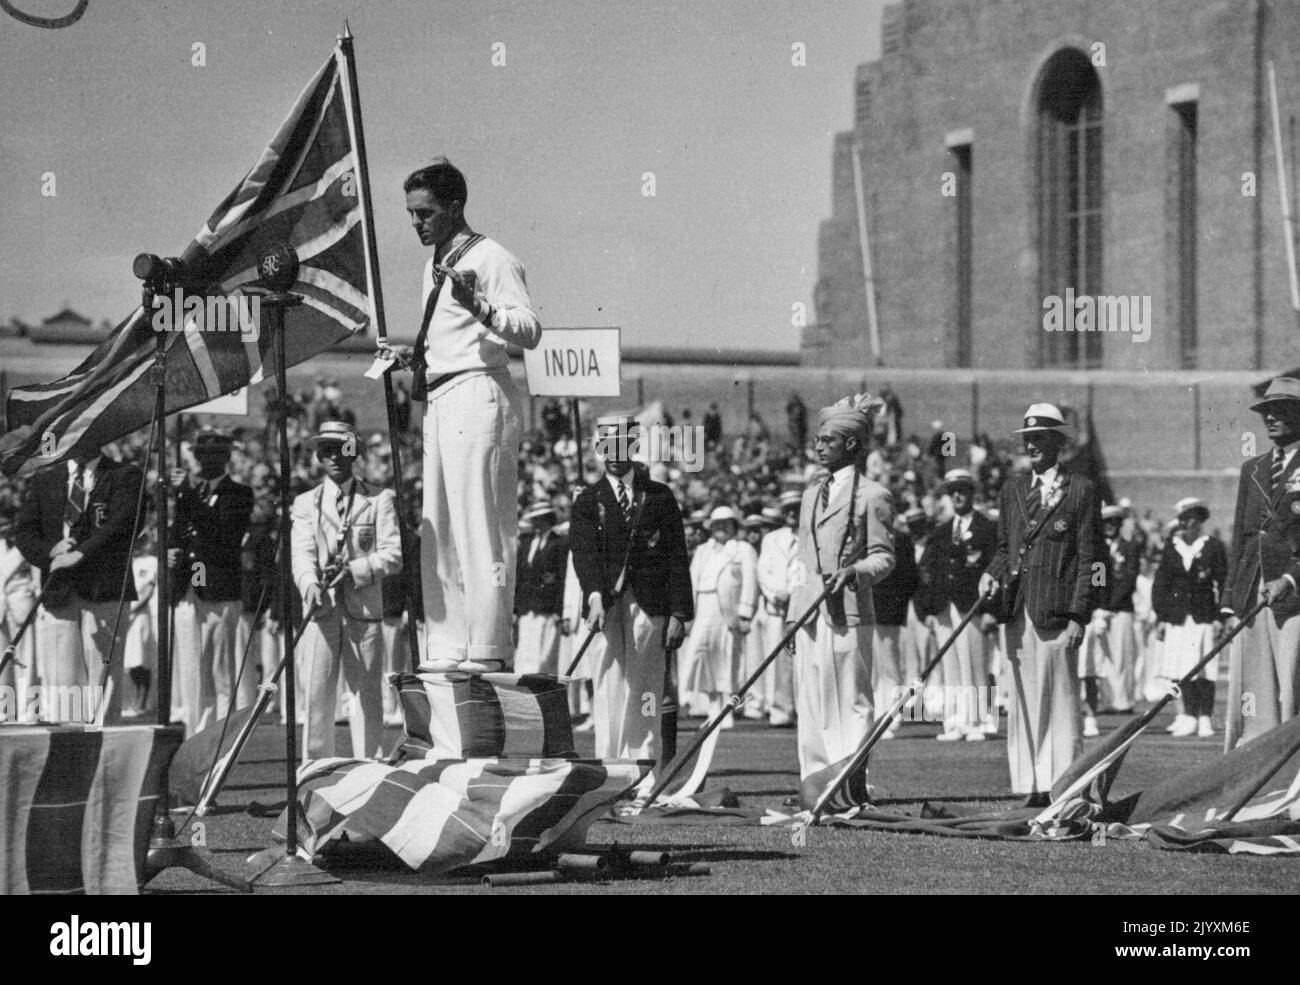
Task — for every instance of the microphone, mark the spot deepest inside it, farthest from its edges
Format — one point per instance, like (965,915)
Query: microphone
(156,271)
(278,267)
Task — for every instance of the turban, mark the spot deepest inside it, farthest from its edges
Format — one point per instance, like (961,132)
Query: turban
(850,417)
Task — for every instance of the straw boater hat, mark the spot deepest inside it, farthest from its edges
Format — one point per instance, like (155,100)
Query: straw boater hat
(696,519)
(719,514)
(212,439)
(772,516)
(1189,505)
(332,431)
(1044,417)
(753,520)
(539,510)
(959,477)
(791,497)
(1111,512)
(1281,390)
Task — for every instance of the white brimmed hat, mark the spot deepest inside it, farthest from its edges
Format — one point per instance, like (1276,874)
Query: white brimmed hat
(719,514)
(959,477)
(1190,504)
(1044,417)
(333,431)
(1109,511)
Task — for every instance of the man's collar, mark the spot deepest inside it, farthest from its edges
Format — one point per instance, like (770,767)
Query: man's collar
(440,253)
(1047,477)
(87,468)
(1289,449)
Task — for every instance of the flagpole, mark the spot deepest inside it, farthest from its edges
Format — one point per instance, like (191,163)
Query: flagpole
(353,106)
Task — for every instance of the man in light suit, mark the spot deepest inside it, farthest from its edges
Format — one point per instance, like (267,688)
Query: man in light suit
(845,542)
(345,540)
(1049,550)
(1264,661)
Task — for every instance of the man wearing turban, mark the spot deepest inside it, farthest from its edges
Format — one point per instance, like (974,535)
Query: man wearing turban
(845,543)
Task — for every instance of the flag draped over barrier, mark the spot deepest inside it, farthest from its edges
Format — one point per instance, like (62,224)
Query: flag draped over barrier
(77,806)
(305,191)
(437,815)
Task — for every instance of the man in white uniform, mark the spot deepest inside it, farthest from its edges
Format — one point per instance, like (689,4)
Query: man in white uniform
(476,302)
(778,551)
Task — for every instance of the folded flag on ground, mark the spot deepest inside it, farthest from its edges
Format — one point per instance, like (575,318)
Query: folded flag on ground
(440,815)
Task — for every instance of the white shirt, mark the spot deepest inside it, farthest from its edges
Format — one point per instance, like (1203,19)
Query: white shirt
(625,481)
(960,525)
(457,340)
(87,482)
(1288,453)
(1045,482)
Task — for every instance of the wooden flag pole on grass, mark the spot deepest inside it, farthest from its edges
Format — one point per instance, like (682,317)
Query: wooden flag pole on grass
(730,707)
(885,721)
(1136,727)
(353,105)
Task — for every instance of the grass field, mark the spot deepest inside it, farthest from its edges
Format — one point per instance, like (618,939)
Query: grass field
(759,764)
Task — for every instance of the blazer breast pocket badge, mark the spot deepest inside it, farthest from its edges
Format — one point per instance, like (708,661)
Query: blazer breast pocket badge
(1059,526)
(364,537)
(100,513)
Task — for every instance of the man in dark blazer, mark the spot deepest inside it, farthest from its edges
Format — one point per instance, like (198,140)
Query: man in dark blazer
(212,515)
(543,561)
(955,557)
(76,525)
(625,515)
(1049,550)
(1263,677)
(1110,645)
(890,598)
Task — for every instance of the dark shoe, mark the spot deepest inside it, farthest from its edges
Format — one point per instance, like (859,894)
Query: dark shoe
(1038,800)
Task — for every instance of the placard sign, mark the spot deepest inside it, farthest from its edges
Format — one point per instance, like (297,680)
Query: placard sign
(574,362)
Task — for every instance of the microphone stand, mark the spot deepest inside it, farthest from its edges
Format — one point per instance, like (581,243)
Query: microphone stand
(279,269)
(166,850)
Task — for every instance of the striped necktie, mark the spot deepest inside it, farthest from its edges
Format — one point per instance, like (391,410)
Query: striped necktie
(76,505)
(624,503)
(824,500)
(1035,498)
(341,504)
(1279,458)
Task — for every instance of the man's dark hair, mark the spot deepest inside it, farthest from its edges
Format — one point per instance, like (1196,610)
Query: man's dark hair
(442,179)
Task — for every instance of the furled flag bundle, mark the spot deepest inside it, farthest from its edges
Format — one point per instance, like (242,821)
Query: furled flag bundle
(305,191)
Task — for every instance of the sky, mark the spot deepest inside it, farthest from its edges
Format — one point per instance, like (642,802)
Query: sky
(144,144)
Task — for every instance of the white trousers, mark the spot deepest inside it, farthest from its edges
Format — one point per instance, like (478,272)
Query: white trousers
(71,642)
(21,674)
(965,671)
(777,683)
(206,640)
(469,533)
(1263,677)
(333,641)
(538,649)
(1044,727)
(833,692)
(628,682)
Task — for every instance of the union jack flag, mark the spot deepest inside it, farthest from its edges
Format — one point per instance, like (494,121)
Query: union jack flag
(305,190)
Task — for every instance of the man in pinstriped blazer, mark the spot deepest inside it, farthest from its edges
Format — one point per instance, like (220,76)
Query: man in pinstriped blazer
(1049,547)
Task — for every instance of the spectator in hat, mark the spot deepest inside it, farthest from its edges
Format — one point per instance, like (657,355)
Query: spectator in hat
(724,574)
(1264,662)
(212,515)
(955,557)
(1185,596)
(1109,646)
(345,541)
(892,598)
(539,593)
(776,554)
(1049,537)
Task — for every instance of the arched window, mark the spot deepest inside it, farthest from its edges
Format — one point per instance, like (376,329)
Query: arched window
(1069,198)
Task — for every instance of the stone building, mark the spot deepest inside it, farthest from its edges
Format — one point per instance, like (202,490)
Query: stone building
(1014,156)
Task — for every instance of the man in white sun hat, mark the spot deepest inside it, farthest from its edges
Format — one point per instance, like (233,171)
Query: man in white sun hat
(1049,537)
(1263,671)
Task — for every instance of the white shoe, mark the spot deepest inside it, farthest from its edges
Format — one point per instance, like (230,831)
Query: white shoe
(1090,730)
(990,726)
(949,736)
(888,734)
(778,719)
(480,666)
(393,719)
(974,734)
(438,665)
(1184,725)
(1204,727)
(588,725)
